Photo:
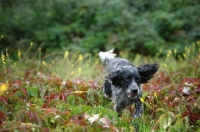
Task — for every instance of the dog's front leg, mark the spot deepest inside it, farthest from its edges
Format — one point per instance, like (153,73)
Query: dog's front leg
(138,109)
(118,110)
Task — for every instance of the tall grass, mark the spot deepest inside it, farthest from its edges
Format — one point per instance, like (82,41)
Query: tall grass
(61,92)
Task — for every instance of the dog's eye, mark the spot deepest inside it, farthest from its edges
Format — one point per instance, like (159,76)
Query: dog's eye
(127,79)
(137,79)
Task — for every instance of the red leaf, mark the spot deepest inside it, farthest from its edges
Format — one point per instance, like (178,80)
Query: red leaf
(2,117)
(24,91)
(193,117)
(186,91)
(45,130)
(3,99)
(63,97)
(170,104)
(191,98)
(197,90)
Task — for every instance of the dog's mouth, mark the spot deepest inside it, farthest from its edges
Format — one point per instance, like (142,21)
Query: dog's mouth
(132,95)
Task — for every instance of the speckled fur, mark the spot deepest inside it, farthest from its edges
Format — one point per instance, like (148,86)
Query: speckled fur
(123,82)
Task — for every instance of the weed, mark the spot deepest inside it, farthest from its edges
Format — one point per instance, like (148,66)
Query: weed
(62,92)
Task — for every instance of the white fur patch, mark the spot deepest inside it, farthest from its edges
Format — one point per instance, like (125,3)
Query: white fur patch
(106,55)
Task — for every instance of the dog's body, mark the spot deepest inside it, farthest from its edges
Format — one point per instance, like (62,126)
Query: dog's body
(123,82)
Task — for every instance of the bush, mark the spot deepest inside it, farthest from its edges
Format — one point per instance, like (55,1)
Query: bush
(143,27)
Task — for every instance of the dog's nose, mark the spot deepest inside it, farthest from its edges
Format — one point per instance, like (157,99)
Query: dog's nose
(134,91)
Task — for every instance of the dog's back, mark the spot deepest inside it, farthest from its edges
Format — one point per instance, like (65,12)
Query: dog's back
(123,81)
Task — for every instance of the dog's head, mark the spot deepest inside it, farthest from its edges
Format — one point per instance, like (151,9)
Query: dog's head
(130,78)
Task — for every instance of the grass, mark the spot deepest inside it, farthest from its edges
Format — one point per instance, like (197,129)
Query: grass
(61,92)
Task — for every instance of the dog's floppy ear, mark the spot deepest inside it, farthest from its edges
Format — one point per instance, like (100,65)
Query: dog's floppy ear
(114,76)
(146,71)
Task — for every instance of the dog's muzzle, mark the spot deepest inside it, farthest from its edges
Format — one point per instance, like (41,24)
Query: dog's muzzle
(132,94)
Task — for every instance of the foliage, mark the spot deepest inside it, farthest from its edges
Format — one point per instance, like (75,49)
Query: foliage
(63,93)
(138,26)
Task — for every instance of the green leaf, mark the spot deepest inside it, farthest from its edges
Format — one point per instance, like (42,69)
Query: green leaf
(160,110)
(42,91)
(52,120)
(167,122)
(32,91)
(178,124)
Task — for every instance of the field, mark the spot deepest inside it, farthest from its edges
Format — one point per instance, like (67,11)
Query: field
(62,92)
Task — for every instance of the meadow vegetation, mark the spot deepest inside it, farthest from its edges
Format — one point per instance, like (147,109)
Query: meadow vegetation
(138,26)
(62,92)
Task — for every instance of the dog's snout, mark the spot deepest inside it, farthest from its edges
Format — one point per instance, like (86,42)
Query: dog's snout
(134,91)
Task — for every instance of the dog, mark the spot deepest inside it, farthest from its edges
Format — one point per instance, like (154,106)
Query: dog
(122,83)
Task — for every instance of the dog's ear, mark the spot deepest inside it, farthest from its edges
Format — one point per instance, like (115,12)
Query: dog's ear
(114,76)
(146,71)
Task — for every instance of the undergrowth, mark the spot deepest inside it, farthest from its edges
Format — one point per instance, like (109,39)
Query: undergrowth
(62,92)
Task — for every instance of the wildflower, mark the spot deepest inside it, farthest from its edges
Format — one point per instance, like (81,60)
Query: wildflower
(154,94)
(44,63)
(3,88)
(79,69)
(7,55)
(78,92)
(186,48)
(185,56)
(66,54)
(80,58)
(3,58)
(142,100)
(169,51)
(31,43)
(19,54)
(168,55)
(175,51)
(72,72)
(165,65)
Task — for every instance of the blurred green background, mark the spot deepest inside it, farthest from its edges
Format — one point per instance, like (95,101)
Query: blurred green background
(132,26)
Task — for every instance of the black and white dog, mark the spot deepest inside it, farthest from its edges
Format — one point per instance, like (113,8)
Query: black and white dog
(123,81)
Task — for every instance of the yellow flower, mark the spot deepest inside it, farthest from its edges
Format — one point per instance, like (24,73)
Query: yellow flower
(168,55)
(3,58)
(142,100)
(3,88)
(78,92)
(154,94)
(169,51)
(66,54)
(79,69)
(44,63)
(80,58)
(175,51)
(188,50)
(31,43)
(19,54)
(185,56)
(165,65)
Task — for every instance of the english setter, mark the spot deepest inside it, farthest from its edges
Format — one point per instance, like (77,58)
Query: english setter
(123,81)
